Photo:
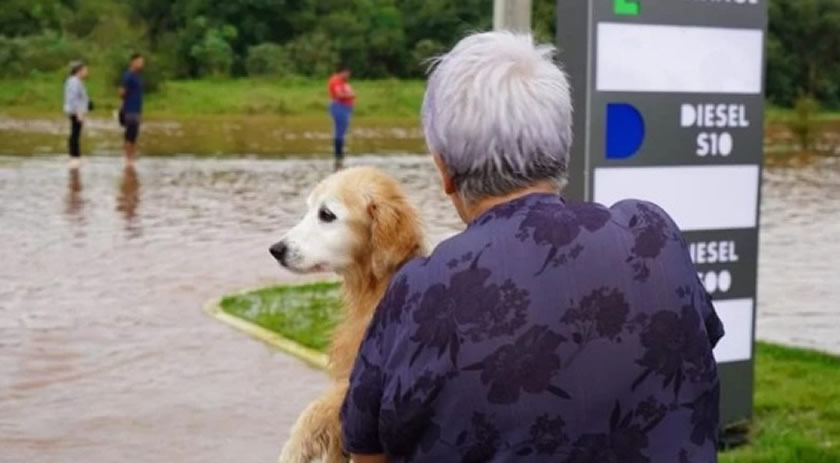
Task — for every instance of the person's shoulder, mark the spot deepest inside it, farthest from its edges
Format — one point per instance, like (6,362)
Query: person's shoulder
(421,270)
(642,210)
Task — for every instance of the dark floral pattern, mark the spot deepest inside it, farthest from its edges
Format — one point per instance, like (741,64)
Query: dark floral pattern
(526,365)
(626,441)
(511,343)
(502,211)
(602,313)
(651,232)
(368,388)
(409,422)
(467,307)
(705,415)
(394,304)
(481,441)
(548,434)
(365,396)
(557,228)
(676,346)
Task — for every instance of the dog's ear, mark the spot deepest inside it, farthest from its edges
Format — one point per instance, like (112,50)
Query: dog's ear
(395,235)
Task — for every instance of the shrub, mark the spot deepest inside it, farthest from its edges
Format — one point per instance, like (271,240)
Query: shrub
(803,125)
(213,54)
(268,59)
(11,57)
(48,52)
(423,51)
(312,55)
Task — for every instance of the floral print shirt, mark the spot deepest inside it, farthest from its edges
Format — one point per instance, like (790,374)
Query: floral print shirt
(548,331)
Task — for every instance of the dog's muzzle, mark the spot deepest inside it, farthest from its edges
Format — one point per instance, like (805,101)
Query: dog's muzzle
(279,250)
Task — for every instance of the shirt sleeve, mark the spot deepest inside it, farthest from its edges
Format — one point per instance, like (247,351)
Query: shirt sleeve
(714,327)
(81,98)
(703,302)
(360,411)
(75,94)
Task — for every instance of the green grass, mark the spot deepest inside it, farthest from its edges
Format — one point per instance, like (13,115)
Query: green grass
(797,399)
(777,115)
(797,408)
(305,314)
(42,94)
(390,98)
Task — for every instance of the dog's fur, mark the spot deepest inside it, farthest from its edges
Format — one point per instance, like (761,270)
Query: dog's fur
(374,231)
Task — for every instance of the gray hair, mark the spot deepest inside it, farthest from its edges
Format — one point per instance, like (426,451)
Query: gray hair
(498,112)
(76,66)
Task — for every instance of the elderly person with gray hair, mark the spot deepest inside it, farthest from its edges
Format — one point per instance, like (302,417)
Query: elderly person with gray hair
(76,106)
(548,330)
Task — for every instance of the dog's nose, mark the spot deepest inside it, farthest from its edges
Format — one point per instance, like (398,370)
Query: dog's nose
(279,251)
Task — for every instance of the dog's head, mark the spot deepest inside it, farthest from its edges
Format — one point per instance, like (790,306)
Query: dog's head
(357,219)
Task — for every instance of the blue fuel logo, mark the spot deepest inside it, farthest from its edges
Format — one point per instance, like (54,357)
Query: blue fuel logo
(625,131)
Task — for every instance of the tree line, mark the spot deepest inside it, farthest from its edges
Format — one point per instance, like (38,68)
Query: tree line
(376,38)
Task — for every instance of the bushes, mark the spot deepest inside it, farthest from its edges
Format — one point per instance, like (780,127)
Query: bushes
(11,57)
(48,52)
(267,59)
(20,18)
(803,125)
(312,54)
(803,52)
(213,54)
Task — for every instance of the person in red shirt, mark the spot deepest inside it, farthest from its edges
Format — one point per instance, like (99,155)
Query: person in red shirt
(342,99)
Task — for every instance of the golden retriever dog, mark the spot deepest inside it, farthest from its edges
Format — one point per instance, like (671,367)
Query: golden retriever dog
(360,225)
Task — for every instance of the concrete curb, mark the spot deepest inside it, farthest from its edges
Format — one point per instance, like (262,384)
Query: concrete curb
(310,356)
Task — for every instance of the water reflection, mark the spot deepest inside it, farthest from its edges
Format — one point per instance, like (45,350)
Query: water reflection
(74,195)
(128,198)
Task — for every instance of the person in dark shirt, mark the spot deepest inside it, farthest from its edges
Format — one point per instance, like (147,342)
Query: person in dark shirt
(131,92)
(549,330)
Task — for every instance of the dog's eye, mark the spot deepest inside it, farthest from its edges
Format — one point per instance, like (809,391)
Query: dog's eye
(325,215)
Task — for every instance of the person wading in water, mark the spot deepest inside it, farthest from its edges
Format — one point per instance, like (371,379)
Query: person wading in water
(76,106)
(341,108)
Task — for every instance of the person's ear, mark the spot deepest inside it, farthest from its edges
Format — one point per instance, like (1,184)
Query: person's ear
(445,176)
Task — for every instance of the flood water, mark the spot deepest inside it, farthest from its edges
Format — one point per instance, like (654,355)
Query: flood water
(106,356)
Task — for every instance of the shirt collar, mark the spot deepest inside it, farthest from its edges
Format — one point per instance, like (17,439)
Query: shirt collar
(508,208)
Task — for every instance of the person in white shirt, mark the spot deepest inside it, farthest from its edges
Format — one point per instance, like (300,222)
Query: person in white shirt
(76,106)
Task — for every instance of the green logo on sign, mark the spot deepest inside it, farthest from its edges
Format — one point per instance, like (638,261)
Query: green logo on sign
(627,7)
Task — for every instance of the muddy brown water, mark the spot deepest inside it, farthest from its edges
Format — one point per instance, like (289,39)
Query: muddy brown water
(106,356)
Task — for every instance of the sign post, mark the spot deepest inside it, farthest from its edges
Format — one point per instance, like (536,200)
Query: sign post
(512,15)
(669,106)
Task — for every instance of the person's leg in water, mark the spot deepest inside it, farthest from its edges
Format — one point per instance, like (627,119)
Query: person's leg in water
(132,127)
(74,143)
(341,120)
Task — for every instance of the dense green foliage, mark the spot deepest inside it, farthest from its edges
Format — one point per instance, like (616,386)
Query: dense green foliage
(376,38)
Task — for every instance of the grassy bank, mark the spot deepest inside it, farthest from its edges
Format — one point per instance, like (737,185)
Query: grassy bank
(305,314)
(797,408)
(42,95)
(797,399)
